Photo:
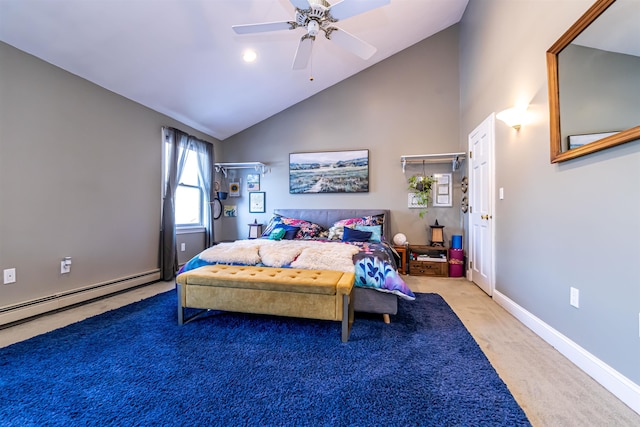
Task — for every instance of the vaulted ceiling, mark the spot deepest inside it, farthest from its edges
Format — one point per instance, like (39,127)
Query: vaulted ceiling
(182,58)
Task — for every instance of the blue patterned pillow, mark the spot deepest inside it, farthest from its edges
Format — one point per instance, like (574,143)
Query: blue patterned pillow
(376,231)
(273,223)
(290,231)
(353,235)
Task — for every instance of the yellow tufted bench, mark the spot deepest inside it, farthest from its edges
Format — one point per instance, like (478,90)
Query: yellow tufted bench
(312,294)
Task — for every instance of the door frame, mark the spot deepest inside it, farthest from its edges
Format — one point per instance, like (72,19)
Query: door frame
(490,122)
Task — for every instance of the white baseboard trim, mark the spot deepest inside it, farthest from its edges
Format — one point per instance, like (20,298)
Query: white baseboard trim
(24,310)
(622,387)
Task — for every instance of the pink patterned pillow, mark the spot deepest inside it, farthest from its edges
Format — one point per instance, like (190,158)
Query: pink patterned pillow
(308,230)
(364,220)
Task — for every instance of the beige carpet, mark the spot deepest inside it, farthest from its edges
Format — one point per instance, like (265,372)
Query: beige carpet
(551,390)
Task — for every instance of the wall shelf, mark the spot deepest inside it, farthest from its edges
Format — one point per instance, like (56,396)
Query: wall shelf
(454,158)
(258,166)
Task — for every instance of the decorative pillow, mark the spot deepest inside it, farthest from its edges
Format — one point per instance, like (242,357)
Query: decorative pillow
(376,231)
(273,222)
(277,234)
(364,220)
(353,235)
(336,232)
(308,230)
(290,231)
(324,234)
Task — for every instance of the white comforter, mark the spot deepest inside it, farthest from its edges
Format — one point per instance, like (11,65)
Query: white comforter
(304,254)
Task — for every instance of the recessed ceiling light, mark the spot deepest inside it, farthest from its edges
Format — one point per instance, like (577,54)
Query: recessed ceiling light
(249,56)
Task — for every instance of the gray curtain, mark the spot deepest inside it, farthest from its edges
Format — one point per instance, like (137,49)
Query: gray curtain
(180,143)
(205,169)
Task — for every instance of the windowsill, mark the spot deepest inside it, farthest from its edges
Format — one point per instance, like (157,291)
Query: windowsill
(190,229)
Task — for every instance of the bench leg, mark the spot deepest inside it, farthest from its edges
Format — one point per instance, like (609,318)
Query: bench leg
(347,315)
(181,309)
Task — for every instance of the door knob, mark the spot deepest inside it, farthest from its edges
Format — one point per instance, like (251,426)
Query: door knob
(485,217)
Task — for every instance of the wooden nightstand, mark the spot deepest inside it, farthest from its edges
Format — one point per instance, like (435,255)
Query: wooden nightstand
(428,261)
(402,251)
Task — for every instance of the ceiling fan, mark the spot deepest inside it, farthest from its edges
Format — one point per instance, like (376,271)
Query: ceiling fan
(319,15)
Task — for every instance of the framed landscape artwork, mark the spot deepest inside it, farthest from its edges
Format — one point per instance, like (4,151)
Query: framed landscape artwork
(329,172)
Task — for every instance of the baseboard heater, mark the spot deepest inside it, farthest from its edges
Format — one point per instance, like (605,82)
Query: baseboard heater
(24,310)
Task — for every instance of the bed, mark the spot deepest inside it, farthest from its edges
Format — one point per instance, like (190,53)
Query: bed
(320,234)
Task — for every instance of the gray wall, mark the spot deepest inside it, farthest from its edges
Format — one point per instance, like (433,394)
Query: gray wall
(79,176)
(193,244)
(407,104)
(560,225)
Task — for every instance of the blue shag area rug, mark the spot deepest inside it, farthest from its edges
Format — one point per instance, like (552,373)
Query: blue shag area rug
(135,366)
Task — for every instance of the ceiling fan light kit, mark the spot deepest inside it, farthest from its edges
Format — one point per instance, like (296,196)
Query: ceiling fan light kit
(319,15)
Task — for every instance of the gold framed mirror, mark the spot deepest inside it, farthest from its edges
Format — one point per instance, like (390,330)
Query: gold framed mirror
(594,81)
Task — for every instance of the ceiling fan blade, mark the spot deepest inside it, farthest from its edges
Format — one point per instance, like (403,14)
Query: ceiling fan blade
(261,28)
(353,44)
(300,4)
(348,8)
(303,53)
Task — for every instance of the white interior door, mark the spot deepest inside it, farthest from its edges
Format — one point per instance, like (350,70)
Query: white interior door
(481,146)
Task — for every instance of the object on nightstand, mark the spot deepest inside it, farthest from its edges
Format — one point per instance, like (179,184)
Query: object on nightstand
(399,239)
(437,235)
(255,229)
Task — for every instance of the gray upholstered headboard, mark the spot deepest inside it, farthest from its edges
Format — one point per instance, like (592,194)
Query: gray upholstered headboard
(326,217)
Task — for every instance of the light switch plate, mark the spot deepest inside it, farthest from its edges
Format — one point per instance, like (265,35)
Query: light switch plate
(574,298)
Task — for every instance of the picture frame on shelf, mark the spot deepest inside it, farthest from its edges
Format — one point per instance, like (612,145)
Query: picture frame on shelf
(253,182)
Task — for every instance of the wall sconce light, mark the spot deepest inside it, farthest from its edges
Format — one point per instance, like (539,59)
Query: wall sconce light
(514,117)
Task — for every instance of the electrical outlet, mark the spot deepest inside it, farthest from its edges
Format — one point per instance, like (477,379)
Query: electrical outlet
(9,276)
(64,268)
(574,299)
(183,247)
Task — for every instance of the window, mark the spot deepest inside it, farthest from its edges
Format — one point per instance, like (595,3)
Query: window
(189,194)
(189,199)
